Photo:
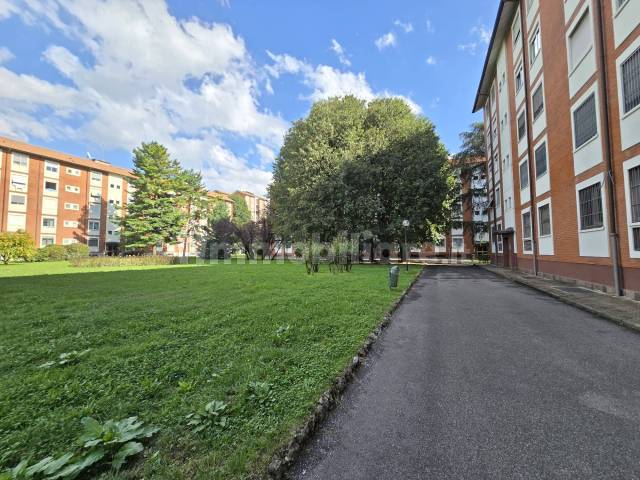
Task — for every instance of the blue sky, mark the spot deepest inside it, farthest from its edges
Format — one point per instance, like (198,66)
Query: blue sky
(220,81)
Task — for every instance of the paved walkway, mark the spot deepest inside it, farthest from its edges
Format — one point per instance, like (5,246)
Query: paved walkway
(621,310)
(480,378)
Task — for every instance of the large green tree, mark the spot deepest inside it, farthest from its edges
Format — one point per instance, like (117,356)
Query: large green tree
(353,166)
(156,214)
(16,246)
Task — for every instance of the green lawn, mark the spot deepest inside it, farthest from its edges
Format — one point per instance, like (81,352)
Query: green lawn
(165,341)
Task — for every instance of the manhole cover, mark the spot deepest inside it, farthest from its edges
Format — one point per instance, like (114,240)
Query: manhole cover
(574,289)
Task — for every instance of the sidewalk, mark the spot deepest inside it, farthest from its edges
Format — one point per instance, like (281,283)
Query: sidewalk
(620,310)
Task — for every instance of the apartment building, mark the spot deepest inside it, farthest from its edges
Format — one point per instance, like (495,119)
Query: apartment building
(257,205)
(61,199)
(560,92)
(468,235)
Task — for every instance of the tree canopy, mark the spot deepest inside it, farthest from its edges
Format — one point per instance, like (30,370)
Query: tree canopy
(155,215)
(353,166)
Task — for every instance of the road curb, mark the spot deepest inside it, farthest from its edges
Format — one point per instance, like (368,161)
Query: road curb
(285,458)
(598,313)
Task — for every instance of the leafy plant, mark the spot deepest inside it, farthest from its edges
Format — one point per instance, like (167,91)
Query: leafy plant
(213,415)
(16,246)
(282,335)
(112,442)
(185,386)
(261,394)
(67,358)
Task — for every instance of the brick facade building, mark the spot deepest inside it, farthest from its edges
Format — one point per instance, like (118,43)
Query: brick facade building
(561,97)
(62,199)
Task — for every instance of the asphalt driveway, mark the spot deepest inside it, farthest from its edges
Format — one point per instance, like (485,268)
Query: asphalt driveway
(477,378)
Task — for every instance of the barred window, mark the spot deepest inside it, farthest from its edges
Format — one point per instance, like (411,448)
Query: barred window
(541,160)
(636,238)
(538,102)
(634,193)
(631,81)
(526,231)
(544,217)
(524,175)
(591,207)
(585,121)
(522,127)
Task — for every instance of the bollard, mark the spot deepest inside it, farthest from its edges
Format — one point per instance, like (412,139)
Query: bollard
(394,273)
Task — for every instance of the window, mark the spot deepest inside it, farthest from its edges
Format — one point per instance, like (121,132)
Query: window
(70,224)
(69,241)
(16,221)
(634,202)
(18,200)
(631,81)
(94,225)
(51,167)
(522,126)
(73,171)
(538,102)
(48,222)
(19,182)
(96,177)
(515,29)
(71,206)
(585,122)
(544,219)
(498,197)
(19,160)
(580,41)
(47,240)
(72,189)
(519,78)
(524,175)
(93,242)
(51,187)
(591,207)
(457,243)
(535,46)
(541,160)
(526,232)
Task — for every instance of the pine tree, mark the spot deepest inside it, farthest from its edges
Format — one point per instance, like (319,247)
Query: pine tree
(155,215)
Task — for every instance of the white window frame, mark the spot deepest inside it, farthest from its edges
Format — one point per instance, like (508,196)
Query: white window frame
(628,165)
(49,218)
(70,224)
(94,229)
(71,206)
(19,167)
(539,205)
(46,180)
(43,244)
(530,237)
(537,33)
(72,189)
(15,205)
(573,66)
(25,183)
(75,172)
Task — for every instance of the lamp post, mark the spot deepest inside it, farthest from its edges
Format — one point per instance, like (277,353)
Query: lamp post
(405,224)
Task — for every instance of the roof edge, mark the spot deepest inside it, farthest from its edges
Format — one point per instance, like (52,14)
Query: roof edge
(489,62)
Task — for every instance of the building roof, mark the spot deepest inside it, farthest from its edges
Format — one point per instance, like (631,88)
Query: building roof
(34,150)
(99,165)
(506,11)
(244,193)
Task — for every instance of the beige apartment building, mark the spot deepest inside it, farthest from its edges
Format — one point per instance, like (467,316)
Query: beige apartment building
(62,199)
(560,92)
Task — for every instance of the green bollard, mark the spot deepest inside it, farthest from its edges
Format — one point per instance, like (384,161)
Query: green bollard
(394,273)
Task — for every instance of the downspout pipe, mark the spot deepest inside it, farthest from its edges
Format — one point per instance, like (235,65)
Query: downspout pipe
(614,237)
(530,152)
(493,185)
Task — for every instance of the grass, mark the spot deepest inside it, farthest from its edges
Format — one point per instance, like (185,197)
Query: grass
(165,341)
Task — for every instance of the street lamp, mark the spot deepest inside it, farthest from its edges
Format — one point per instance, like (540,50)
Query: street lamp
(405,224)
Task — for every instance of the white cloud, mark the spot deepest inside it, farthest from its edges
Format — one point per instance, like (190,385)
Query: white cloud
(267,155)
(469,48)
(185,83)
(386,40)
(327,82)
(5,54)
(340,52)
(407,27)
(431,60)
(225,3)
(482,33)
(430,27)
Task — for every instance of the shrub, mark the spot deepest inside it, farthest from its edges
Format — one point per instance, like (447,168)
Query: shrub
(77,250)
(16,246)
(343,253)
(131,261)
(312,255)
(51,253)
(298,252)
(99,445)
